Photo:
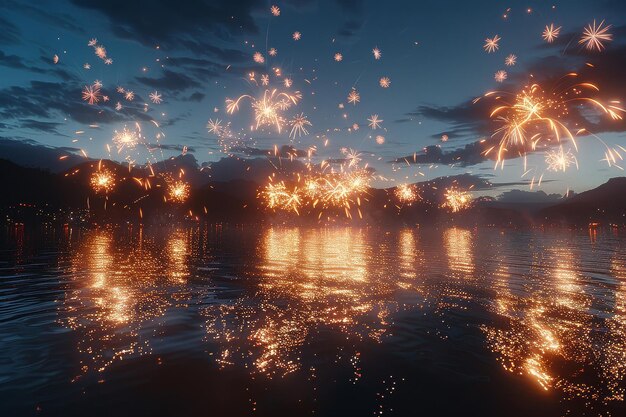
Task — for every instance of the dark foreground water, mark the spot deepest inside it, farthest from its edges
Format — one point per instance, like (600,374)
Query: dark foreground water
(227,321)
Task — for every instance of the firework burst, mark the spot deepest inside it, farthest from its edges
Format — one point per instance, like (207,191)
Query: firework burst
(457,200)
(374,121)
(102,181)
(550,33)
(491,44)
(178,191)
(298,126)
(384,82)
(560,160)
(354,97)
(406,193)
(594,35)
(91,94)
(268,109)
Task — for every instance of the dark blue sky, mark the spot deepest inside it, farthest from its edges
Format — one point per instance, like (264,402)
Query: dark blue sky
(197,53)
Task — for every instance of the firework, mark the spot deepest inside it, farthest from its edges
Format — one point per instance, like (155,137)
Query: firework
(594,35)
(155,97)
(277,196)
(178,191)
(268,108)
(500,76)
(380,139)
(129,95)
(273,52)
(354,97)
(265,79)
(296,36)
(102,180)
(275,10)
(100,51)
(550,33)
(406,193)
(55,59)
(298,126)
(287,82)
(457,200)
(215,126)
(374,121)
(87,66)
(510,60)
(338,57)
(258,58)
(126,139)
(118,106)
(92,42)
(91,94)
(559,160)
(376,52)
(384,82)
(491,44)
(536,114)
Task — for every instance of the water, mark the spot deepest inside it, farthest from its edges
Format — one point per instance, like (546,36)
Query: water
(274,321)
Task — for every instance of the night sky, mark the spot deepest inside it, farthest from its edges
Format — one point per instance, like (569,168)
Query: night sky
(198,53)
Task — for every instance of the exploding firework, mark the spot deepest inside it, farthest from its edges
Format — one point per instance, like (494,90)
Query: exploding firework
(155,97)
(273,52)
(258,58)
(500,76)
(510,60)
(536,115)
(457,200)
(268,109)
(298,126)
(126,139)
(91,94)
(491,44)
(384,82)
(275,10)
(277,196)
(296,36)
(374,121)
(550,33)
(177,191)
(594,35)
(406,193)
(102,181)
(559,160)
(338,57)
(354,97)
(376,52)
(380,139)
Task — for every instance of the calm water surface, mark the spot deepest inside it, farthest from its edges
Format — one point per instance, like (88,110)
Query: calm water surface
(212,321)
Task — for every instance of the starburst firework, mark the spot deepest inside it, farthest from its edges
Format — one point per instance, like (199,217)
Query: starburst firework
(594,36)
(491,44)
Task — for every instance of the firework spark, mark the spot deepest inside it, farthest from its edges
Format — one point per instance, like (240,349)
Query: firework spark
(406,193)
(258,58)
(594,35)
(126,139)
(500,76)
(268,109)
(384,82)
(377,54)
(275,10)
(178,191)
(296,36)
(215,126)
(491,44)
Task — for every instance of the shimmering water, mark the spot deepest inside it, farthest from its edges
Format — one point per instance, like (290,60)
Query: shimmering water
(297,321)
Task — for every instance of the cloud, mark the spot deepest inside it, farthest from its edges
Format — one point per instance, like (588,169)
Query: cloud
(171,147)
(170,81)
(29,153)
(520,196)
(353,23)
(10,34)
(470,154)
(197,97)
(48,127)
(285,151)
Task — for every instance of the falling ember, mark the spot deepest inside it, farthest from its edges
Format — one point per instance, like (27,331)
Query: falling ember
(491,44)
(457,200)
(594,35)
(559,160)
(178,191)
(406,193)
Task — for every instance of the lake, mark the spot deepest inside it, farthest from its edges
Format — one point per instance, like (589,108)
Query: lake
(272,321)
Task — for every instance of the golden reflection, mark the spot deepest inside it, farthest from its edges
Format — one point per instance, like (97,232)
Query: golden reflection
(458,246)
(311,279)
(115,290)
(551,328)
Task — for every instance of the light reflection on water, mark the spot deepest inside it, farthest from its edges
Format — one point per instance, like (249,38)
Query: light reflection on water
(549,308)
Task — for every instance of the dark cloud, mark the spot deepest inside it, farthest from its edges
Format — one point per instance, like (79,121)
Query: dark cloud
(47,127)
(170,24)
(470,154)
(169,147)
(170,81)
(197,97)
(58,19)
(9,34)
(353,12)
(285,151)
(14,61)
(48,100)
